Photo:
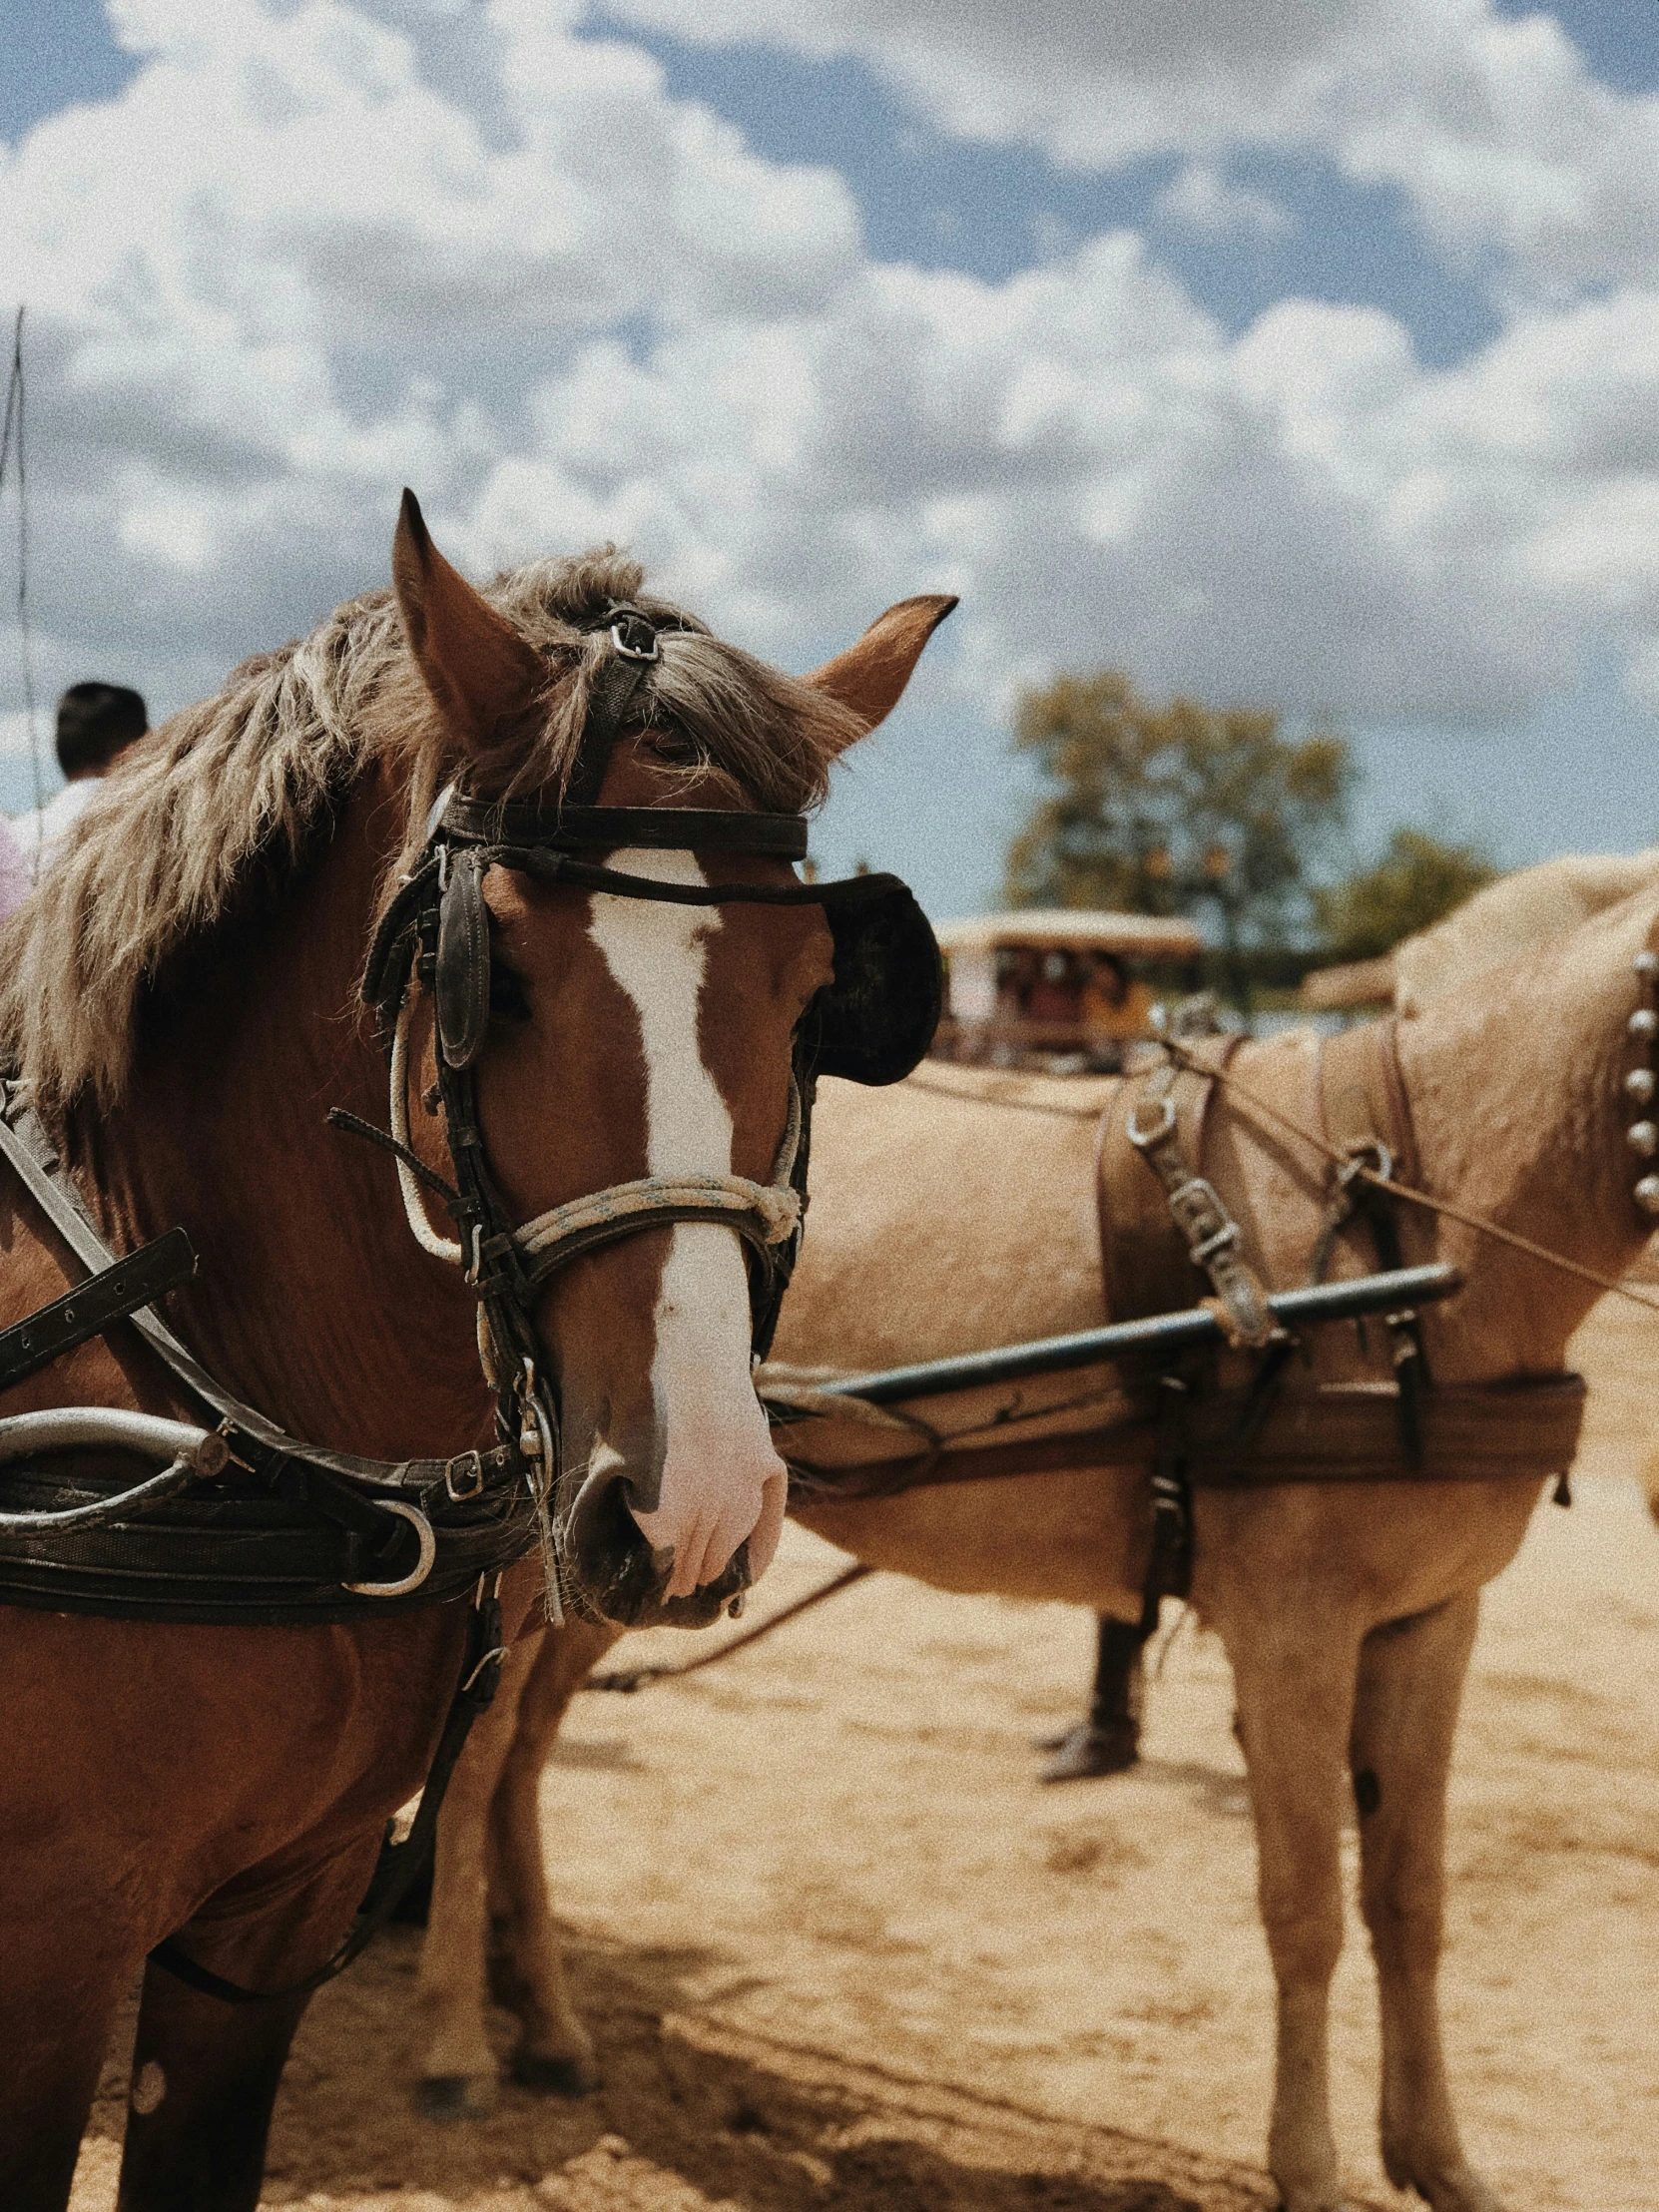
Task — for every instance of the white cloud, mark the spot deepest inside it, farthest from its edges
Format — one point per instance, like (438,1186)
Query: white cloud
(1493,129)
(287,272)
(1201,198)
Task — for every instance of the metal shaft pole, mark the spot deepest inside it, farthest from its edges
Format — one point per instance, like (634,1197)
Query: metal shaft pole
(1364,1294)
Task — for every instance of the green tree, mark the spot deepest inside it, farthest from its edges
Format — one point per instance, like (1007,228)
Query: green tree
(1180,809)
(1417,880)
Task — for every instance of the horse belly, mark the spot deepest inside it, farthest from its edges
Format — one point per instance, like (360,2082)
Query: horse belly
(1078,1537)
(1372,1551)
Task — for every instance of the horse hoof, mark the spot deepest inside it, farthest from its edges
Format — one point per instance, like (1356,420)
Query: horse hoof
(555,2077)
(452,2097)
(1089,1750)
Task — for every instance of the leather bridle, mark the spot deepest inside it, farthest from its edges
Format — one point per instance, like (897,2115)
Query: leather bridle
(436,931)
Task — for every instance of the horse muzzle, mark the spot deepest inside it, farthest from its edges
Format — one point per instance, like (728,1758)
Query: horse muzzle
(611,1574)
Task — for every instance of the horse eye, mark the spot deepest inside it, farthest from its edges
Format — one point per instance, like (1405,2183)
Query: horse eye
(675,747)
(507,995)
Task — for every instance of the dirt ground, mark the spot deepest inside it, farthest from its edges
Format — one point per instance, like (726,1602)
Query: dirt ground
(843,1953)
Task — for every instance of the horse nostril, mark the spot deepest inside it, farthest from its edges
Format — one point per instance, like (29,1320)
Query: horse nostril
(617,1573)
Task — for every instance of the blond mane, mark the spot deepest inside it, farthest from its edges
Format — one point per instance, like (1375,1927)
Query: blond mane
(251,781)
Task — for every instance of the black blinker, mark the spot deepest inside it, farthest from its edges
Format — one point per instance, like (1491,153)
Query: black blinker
(876,1020)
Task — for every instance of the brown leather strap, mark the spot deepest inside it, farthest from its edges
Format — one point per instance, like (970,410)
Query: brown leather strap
(1364,1113)
(1525,1429)
(1363,1097)
(1145,1263)
(1212,1237)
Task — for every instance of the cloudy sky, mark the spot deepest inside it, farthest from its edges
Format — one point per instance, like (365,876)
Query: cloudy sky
(1299,352)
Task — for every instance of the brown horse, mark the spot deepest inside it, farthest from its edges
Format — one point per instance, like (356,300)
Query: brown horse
(181,999)
(956,1212)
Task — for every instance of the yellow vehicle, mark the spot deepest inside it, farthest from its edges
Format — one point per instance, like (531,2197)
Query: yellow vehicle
(1053,988)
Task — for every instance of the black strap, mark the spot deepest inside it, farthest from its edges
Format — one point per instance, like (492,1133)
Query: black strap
(657,828)
(1169,1567)
(92,1306)
(558,867)
(401,1865)
(354,1126)
(1352,1196)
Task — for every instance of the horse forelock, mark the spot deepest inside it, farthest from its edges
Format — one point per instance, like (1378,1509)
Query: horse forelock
(253,779)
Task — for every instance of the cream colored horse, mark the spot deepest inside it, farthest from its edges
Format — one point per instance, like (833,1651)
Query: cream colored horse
(956,1212)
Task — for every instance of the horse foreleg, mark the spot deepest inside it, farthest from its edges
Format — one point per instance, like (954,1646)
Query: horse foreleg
(203,2080)
(1295,1689)
(55,2022)
(458,2070)
(556,2051)
(1410,1681)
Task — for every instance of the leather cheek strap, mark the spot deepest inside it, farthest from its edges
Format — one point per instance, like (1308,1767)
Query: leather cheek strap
(462,980)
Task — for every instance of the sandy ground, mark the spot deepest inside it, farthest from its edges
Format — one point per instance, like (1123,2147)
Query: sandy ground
(841,1952)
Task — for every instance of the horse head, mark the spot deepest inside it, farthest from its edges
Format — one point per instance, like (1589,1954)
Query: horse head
(620,1065)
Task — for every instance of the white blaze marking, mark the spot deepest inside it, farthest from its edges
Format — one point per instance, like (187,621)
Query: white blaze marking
(721,1479)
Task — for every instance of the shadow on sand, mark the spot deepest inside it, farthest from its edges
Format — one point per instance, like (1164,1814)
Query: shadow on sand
(692,2112)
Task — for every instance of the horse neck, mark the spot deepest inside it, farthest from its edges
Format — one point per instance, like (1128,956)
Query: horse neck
(312,1299)
(1520,1115)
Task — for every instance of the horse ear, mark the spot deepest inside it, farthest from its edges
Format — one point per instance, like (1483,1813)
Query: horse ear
(476,666)
(870,677)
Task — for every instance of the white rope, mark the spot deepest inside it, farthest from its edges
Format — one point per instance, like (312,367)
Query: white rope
(802,1391)
(415,1201)
(778,1209)
(776,1204)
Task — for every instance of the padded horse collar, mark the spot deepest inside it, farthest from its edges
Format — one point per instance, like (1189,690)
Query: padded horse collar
(283,1534)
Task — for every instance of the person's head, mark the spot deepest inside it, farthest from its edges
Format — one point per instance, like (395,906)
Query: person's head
(95,723)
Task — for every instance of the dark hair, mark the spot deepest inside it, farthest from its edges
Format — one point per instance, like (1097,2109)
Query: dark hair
(95,723)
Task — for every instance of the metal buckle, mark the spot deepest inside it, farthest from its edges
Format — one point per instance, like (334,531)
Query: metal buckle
(1223,1238)
(464,1477)
(1144,1139)
(627,646)
(1373,1156)
(535,1437)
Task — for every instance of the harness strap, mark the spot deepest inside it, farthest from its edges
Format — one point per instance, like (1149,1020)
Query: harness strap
(1169,1566)
(28,1149)
(94,1305)
(1213,1236)
(399,1865)
(1365,1114)
(616,683)
(574,829)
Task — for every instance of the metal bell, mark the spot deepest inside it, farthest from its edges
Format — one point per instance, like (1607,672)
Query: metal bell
(1644,1023)
(1647,1194)
(1646,965)
(1643,1137)
(1640,1085)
